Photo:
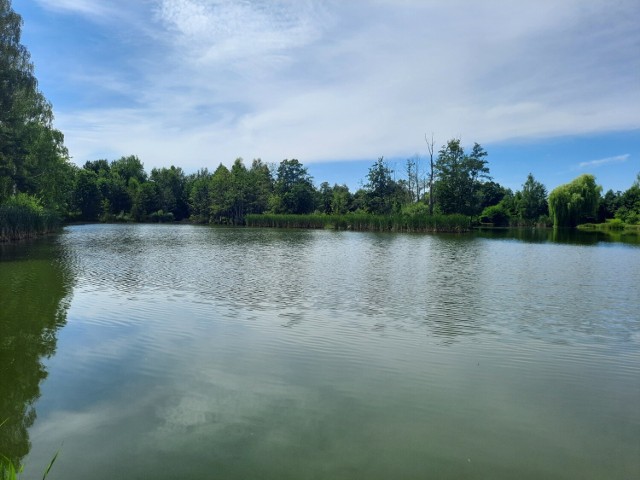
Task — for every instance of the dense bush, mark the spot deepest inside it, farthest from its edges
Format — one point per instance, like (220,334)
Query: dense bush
(497,215)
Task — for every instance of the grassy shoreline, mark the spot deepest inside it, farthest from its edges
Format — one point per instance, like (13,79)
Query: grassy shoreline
(21,222)
(364,222)
(614,225)
(25,221)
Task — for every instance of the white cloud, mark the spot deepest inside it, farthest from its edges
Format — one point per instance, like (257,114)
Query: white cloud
(226,30)
(605,161)
(345,80)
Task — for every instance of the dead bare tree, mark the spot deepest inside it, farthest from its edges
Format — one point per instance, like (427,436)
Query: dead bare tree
(430,149)
(414,183)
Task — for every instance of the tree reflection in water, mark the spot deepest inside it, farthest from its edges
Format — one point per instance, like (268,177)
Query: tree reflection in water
(35,288)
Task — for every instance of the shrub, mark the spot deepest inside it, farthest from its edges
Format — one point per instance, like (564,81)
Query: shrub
(496,215)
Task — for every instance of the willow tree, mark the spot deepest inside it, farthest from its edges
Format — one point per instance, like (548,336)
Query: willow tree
(574,202)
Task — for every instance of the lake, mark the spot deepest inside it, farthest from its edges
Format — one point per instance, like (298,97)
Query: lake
(177,351)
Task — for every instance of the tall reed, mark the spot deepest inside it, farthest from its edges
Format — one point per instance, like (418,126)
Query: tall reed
(23,217)
(364,222)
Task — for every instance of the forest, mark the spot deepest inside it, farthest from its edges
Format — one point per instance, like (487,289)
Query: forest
(449,189)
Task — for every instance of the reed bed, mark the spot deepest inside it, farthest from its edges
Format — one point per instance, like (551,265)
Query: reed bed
(18,222)
(364,222)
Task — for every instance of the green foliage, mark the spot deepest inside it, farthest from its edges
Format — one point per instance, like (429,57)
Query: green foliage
(129,168)
(612,226)
(33,158)
(532,200)
(260,187)
(8,470)
(341,199)
(219,198)
(491,193)
(293,189)
(145,199)
(380,188)
(198,187)
(325,196)
(458,185)
(609,204)
(383,194)
(23,216)
(239,192)
(87,199)
(574,202)
(629,204)
(544,221)
(29,202)
(497,215)
(172,196)
(527,207)
(333,200)
(30,317)
(418,208)
(228,195)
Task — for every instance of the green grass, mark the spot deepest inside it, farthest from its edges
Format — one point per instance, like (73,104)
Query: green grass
(8,470)
(364,222)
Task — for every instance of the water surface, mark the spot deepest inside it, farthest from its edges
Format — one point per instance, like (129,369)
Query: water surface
(159,351)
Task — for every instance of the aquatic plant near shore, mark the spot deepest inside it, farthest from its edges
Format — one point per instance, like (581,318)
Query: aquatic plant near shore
(611,225)
(364,222)
(23,216)
(8,470)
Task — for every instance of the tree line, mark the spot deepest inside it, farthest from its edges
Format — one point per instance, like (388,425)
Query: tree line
(457,183)
(39,183)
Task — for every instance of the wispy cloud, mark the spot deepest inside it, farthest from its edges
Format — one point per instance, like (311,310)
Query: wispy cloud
(214,31)
(92,8)
(327,80)
(604,161)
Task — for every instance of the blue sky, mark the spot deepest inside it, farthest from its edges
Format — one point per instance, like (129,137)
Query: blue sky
(547,87)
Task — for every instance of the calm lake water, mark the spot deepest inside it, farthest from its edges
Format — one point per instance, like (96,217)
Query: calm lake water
(157,352)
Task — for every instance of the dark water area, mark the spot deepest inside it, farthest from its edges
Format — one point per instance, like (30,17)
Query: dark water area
(166,351)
